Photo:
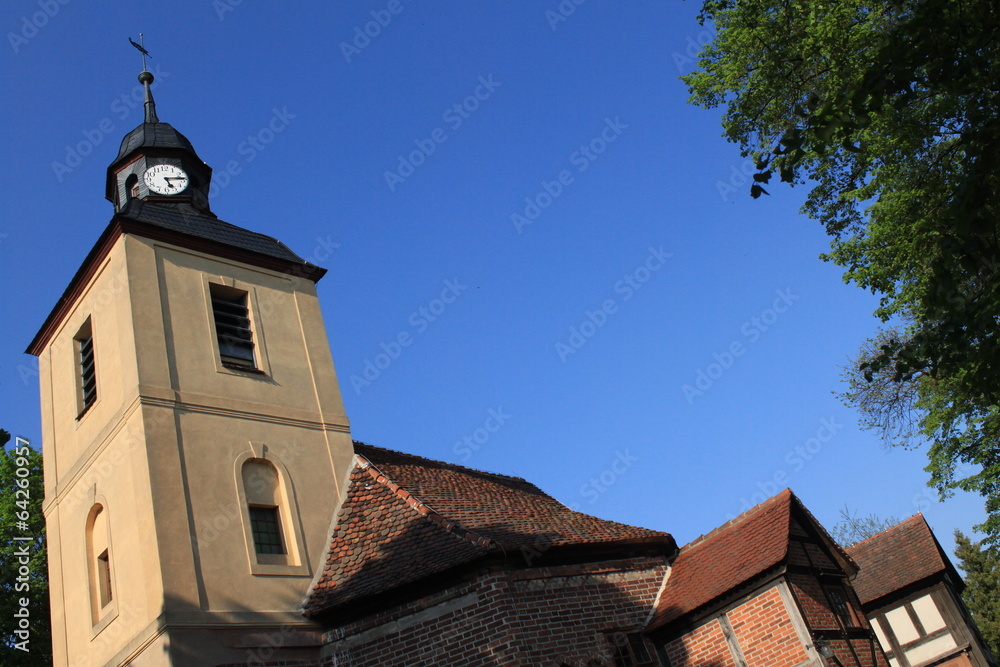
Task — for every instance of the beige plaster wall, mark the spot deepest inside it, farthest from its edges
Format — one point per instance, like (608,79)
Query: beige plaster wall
(161,448)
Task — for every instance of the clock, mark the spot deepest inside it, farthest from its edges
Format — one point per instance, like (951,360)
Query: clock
(165,179)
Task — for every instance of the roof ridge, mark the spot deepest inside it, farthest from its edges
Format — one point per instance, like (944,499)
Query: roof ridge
(446,524)
(445,465)
(919,515)
(753,511)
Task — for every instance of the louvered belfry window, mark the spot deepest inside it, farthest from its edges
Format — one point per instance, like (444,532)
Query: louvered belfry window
(87,369)
(232,326)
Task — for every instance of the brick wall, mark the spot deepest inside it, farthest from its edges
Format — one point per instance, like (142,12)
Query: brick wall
(812,600)
(538,616)
(761,627)
(862,652)
(765,632)
(705,645)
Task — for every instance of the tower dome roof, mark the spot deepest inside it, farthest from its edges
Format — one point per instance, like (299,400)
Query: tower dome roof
(156,140)
(153,135)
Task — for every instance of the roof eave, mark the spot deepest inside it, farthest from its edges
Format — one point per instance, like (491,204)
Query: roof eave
(660,545)
(691,617)
(121,225)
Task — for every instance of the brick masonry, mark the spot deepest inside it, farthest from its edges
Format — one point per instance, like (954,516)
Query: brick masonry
(762,629)
(536,616)
(705,645)
(765,632)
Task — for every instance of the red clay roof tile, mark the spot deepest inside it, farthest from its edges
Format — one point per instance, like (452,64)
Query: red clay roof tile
(896,558)
(406,518)
(716,563)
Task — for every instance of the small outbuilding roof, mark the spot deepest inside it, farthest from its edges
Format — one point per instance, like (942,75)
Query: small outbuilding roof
(406,518)
(896,558)
(716,563)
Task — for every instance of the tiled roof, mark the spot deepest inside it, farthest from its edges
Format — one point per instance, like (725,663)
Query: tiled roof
(184,218)
(406,518)
(896,558)
(716,563)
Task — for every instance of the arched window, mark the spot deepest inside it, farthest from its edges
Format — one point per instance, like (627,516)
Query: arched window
(272,525)
(99,562)
(262,487)
(131,186)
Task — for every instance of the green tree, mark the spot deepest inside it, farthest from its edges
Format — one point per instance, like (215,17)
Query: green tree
(982,587)
(888,110)
(23,573)
(852,528)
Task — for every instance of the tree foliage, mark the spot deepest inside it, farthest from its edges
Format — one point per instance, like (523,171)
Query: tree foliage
(852,528)
(982,587)
(889,111)
(23,572)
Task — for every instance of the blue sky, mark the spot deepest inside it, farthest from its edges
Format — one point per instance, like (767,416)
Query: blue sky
(587,294)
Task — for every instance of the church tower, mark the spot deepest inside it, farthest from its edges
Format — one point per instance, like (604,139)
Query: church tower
(195,441)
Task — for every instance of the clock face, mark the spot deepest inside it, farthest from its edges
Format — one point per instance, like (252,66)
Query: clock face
(165,179)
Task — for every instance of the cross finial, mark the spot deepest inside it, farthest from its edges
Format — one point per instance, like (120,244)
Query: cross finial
(142,50)
(146,79)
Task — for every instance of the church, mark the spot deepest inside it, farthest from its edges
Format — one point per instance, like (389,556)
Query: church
(206,505)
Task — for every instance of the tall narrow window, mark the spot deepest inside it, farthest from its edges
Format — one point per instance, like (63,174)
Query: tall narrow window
(100,565)
(841,606)
(232,326)
(87,372)
(104,577)
(266,527)
(264,498)
(131,187)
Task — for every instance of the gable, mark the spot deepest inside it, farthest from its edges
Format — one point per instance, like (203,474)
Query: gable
(715,564)
(896,558)
(778,532)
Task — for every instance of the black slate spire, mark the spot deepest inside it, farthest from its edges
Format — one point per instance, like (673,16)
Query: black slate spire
(146,79)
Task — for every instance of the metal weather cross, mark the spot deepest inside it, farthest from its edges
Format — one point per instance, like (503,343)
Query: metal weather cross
(142,50)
